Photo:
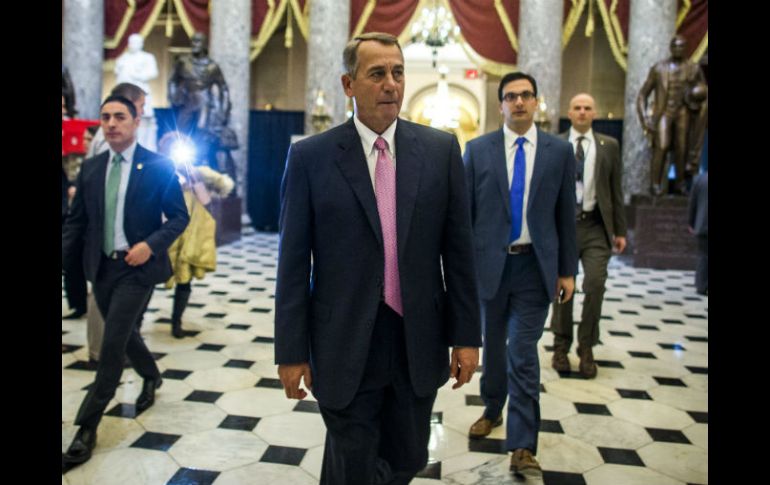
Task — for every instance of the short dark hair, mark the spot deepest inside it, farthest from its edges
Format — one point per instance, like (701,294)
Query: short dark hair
(122,100)
(92,129)
(514,76)
(132,92)
(350,54)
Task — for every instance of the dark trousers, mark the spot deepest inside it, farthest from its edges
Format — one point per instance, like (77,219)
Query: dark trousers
(75,280)
(594,251)
(121,298)
(513,322)
(75,287)
(702,268)
(381,437)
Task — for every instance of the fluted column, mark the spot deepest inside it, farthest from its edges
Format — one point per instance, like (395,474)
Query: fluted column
(540,25)
(652,24)
(329,27)
(229,47)
(83,52)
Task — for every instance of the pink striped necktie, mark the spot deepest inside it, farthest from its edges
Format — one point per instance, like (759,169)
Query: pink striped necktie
(385,191)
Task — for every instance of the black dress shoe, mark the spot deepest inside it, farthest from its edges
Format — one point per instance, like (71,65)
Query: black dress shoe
(176,329)
(75,315)
(147,396)
(81,447)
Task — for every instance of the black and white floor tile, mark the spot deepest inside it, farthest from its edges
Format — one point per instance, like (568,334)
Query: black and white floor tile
(221,418)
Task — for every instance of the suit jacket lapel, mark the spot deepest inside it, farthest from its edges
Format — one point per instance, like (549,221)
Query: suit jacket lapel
(141,157)
(600,166)
(351,161)
(541,162)
(101,178)
(409,163)
(500,169)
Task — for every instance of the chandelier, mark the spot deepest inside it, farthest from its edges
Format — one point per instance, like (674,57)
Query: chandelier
(435,28)
(441,109)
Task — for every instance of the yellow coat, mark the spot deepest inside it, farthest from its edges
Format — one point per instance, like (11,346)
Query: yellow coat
(194,253)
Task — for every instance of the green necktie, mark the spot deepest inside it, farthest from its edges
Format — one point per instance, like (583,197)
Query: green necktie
(111,204)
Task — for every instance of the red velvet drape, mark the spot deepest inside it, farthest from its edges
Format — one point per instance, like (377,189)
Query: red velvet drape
(482,28)
(197,12)
(695,25)
(389,16)
(114,11)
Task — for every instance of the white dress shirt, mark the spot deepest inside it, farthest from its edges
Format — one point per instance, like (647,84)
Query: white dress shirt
(530,145)
(368,137)
(121,242)
(589,166)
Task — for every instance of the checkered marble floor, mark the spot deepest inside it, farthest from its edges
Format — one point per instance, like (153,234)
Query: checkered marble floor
(221,417)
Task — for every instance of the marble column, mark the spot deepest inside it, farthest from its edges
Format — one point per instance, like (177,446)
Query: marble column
(329,27)
(540,25)
(229,47)
(652,24)
(83,53)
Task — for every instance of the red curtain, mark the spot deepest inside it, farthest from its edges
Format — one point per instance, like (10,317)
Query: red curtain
(695,25)
(197,12)
(114,12)
(482,27)
(389,16)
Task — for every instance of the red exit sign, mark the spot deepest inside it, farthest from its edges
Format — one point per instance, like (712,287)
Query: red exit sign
(471,74)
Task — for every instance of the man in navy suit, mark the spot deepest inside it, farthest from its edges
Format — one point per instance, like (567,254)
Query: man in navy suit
(116,223)
(375,275)
(521,183)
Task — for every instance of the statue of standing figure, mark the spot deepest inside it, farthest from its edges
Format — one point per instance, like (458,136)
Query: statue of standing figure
(677,118)
(138,67)
(198,93)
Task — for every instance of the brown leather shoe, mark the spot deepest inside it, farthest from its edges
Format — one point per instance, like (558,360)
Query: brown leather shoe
(587,364)
(560,361)
(483,426)
(522,459)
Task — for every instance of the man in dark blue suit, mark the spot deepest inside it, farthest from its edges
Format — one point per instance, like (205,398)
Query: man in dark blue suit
(372,211)
(116,223)
(521,183)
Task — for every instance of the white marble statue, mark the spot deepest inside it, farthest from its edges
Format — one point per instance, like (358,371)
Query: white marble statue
(138,67)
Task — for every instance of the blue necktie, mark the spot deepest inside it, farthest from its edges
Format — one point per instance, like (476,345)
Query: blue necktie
(517,189)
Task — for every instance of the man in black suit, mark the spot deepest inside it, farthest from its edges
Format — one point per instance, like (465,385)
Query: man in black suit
(364,312)
(116,223)
(698,225)
(601,229)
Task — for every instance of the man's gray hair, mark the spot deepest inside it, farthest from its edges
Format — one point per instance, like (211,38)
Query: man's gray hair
(350,54)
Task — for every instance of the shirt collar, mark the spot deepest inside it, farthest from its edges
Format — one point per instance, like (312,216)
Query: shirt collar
(368,137)
(574,134)
(127,154)
(511,136)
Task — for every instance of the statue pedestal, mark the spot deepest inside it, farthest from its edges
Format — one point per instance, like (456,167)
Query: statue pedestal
(661,239)
(227,213)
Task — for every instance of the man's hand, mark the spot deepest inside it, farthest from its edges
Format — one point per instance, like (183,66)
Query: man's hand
(463,364)
(138,254)
(290,375)
(567,285)
(619,244)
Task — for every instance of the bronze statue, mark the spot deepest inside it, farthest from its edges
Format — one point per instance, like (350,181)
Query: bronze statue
(677,119)
(198,93)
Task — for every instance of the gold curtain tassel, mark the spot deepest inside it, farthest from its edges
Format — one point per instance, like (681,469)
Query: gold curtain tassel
(169,23)
(590,21)
(288,39)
